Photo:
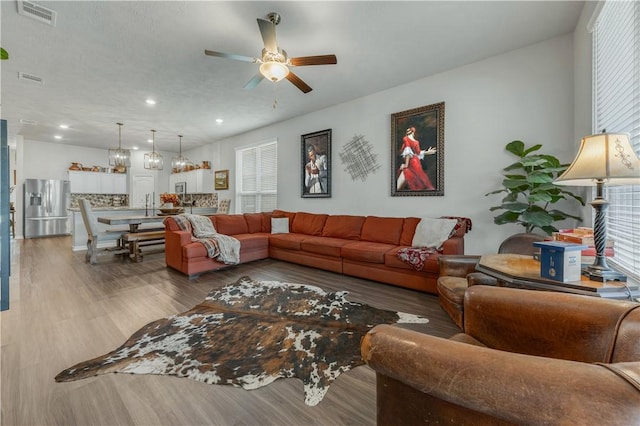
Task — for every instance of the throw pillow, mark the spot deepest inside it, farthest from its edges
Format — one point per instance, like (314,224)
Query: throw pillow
(279,225)
(432,232)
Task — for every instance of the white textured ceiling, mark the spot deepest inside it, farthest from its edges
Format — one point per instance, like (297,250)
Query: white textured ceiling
(104,58)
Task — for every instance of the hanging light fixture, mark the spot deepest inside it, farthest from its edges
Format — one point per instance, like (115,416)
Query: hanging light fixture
(179,163)
(153,160)
(118,156)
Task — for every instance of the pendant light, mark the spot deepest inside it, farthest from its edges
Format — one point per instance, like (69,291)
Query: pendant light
(118,156)
(153,160)
(179,163)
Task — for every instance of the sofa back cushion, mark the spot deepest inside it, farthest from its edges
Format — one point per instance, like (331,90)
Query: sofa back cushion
(408,230)
(343,226)
(231,224)
(308,223)
(254,222)
(382,229)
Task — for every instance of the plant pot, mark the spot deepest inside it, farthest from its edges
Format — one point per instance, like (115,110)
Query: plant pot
(521,244)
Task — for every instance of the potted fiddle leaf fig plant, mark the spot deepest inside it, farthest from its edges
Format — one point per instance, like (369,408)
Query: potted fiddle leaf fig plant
(530,192)
(3,54)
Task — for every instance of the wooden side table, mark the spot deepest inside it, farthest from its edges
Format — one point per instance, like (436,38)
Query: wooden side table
(519,271)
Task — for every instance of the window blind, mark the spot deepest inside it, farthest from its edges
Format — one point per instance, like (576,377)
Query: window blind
(257,189)
(616,98)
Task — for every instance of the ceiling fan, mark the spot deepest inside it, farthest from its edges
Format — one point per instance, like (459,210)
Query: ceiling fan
(274,63)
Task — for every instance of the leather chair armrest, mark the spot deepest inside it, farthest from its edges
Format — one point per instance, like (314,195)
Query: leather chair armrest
(516,388)
(479,278)
(457,265)
(543,323)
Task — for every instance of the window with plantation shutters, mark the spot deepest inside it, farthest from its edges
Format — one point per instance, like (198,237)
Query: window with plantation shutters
(616,108)
(257,187)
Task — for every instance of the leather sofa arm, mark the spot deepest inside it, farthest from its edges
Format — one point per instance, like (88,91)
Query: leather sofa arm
(512,387)
(457,265)
(479,278)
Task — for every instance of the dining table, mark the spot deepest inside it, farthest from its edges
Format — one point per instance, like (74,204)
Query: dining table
(134,222)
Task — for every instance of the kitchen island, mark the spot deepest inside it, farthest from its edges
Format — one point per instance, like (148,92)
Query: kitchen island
(79,232)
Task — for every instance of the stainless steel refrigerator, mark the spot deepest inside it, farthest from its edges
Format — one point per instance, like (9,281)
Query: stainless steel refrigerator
(45,208)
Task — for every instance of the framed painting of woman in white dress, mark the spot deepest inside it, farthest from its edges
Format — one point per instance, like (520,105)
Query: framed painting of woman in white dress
(316,164)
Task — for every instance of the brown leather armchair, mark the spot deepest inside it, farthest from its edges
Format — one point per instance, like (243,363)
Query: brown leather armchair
(526,357)
(457,273)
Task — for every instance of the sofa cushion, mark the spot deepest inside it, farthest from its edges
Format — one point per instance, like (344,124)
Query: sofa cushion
(343,226)
(308,223)
(254,222)
(231,224)
(365,251)
(408,229)
(382,229)
(326,246)
(255,241)
(287,241)
(170,224)
(282,213)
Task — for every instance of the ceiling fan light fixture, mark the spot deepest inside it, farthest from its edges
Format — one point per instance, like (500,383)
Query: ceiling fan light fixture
(118,156)
(274,71)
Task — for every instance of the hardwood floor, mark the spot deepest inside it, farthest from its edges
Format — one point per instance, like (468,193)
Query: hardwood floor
(64,311)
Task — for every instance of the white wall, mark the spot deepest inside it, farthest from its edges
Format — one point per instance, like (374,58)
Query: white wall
(525,94)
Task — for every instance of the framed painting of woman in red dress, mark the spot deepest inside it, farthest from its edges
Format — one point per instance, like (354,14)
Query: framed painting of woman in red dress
(417,151)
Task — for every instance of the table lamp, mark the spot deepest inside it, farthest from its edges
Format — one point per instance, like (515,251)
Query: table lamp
(603,159)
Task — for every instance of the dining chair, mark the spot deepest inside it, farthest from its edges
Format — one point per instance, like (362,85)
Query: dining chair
(223,206)
(94,236)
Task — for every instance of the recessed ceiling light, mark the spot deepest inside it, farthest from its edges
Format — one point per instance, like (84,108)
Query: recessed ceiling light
(64,126)
(58,137)
(135,148)
(219,120)
(150,102)
(150,140)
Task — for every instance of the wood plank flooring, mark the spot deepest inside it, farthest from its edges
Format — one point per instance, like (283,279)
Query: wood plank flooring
(64,311)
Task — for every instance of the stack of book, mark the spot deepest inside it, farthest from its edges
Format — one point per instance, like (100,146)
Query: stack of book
(585,237)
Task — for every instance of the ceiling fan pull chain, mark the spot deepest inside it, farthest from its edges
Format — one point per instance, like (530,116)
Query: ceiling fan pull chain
(275,96)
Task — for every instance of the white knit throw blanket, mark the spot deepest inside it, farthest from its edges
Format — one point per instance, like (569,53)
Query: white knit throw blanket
(219,246)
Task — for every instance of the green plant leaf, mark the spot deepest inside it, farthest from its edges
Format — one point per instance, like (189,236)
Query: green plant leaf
(3,54)
(539,197)
(538,218)
(506,217)
(516,148)
(533,148)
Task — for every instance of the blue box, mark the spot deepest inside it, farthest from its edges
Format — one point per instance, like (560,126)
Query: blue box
(560,260)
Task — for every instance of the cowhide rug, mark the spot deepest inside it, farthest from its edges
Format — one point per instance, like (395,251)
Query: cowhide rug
(250,333)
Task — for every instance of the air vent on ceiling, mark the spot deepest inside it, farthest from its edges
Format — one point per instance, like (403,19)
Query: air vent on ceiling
(37,12)
(29,122)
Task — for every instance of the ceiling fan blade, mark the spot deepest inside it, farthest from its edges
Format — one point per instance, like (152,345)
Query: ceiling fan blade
(298,82)
(314,60)
(230,56)
(268,32)
(255,80)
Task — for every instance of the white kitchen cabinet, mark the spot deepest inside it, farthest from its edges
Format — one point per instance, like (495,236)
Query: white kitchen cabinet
(84,182)
(113,183)
(97,183)
(198,181)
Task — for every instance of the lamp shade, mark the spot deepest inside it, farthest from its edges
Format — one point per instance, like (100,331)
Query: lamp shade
(605,157)
(274,71)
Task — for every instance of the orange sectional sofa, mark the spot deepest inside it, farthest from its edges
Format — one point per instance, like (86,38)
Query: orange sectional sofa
(360,246)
